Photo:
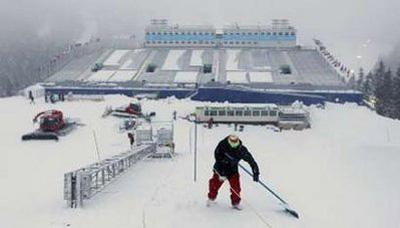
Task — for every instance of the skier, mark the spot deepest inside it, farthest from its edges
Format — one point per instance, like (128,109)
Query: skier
(228,153)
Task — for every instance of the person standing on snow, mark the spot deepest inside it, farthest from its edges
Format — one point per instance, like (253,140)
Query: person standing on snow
(228,153)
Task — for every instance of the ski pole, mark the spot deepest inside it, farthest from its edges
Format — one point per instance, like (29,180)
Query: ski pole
(286,205)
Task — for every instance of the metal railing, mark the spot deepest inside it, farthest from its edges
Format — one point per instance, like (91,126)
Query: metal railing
(84,183)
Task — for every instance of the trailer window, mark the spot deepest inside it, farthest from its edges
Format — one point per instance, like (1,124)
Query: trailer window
(222,113)
(256,113)
(230,113)
(272,113)
(239,113)
(264,113)
(247,113)
(206,113)
(213,113)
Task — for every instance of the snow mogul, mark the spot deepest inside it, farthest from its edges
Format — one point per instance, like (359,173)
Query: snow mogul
(228,153)
(51,125)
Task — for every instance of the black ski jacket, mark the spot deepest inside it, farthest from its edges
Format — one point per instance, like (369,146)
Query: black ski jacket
(227,159)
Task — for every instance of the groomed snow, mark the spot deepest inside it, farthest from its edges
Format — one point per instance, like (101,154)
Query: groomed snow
(236,77)
(171,62)
(115,57)
(186,77)
(122,76)
(343,172)
(101,75)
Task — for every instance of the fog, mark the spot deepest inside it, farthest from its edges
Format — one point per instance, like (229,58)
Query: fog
(364,28)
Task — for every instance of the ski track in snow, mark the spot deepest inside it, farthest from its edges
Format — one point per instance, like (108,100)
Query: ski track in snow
(343,172)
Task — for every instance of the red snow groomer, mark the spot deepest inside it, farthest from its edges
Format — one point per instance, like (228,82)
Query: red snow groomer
(51,125)
(132,110)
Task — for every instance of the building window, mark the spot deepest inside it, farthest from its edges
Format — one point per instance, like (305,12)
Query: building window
(237,42)
(254,42)
(230,42)
(280,33)
(256,113)
(213,113)
(200,33)
(182,33)
(222,113)
(237,34)
(147,33)
(212,42)
(249,33)
(243,42)
(225,33)
(247,113)
(176,33)
(147,42)
(293,33)
(264,113)
(263,33)
(153,42)
(206,42)
(182,42)
(287,34)
(231,34)
(194,33)
(249,42)
(239,113)
(159,33)
(189,42)
(256,33)
(159,42)
(171,42)
(272,113)
(177,42)
(225,42)
(153,33)
(206,33)
(165,42)
(268,33)
(170,33)
(194,42)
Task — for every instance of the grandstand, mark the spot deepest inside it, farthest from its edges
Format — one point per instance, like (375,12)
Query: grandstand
(265,60)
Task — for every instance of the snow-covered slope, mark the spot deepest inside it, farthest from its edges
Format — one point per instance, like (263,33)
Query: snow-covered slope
(343,172)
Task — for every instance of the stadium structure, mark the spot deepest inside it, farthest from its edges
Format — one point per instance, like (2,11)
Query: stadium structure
(246,64)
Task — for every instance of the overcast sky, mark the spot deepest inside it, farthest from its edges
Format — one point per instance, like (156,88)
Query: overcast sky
(349,28)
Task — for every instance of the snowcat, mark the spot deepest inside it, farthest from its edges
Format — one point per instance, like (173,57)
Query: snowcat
(51,125)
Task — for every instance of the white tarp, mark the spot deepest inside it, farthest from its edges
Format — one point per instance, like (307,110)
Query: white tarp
(232,59)
(171,62)
(196,59)
(260,76)
(126,65)
(236,77)
(115,57)
(101,76)
(186,77)
(122,76)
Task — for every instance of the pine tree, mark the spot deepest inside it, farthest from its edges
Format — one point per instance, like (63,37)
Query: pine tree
(367,85)
(379,90)
(396,95)
(360,79)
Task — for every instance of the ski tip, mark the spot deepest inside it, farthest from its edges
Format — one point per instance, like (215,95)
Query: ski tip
(292,212)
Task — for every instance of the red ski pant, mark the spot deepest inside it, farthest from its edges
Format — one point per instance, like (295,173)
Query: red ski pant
(215,183)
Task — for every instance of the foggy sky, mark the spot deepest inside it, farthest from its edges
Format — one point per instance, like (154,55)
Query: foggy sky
(363,28)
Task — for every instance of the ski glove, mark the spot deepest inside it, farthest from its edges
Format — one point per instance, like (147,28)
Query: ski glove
(255,177)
